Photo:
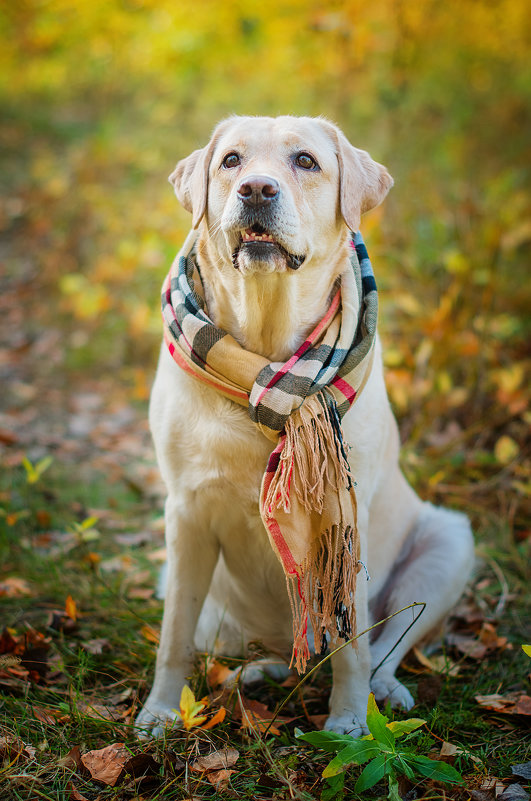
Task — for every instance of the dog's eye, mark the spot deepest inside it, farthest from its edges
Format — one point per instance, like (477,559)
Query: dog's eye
(305,161)
(231,160)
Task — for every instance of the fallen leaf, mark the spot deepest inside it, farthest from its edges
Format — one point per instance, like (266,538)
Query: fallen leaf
(438,663)
(189,709)
(159,555)
(318,721)
(219,717)
(494,785)
(12,749)
(220,778)
(217,673)
(96,646)
(448,750)
(50,716)
(110,764)
(107,765)
(14,587)
(135,538)
(514,792)
(71,608)
(141,593)
(510,704)
(506,449)
(256,715)
(75,795)
(216,760)
(522,769)
(150,634)
(72,760)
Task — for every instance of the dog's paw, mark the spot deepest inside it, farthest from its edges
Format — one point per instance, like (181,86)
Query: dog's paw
(155,719)
(349,723)
(390,689)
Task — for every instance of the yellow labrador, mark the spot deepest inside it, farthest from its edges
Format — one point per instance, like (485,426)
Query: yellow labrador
(297,186)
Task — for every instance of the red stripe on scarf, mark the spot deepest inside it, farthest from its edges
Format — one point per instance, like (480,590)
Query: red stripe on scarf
(345,388)
(221,388)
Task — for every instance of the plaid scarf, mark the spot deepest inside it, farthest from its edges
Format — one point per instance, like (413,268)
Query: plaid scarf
(307,500)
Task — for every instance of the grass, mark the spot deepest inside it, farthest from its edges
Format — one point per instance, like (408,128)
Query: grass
(60,710)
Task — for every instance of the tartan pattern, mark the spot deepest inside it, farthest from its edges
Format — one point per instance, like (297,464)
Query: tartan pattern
(333,359)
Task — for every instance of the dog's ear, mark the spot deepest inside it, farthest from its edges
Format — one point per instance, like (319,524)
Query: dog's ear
(363,182)
(190,178)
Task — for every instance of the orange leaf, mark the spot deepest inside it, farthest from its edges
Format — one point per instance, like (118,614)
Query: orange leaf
(217,673)
(150,634)
(71,608)
(219,717)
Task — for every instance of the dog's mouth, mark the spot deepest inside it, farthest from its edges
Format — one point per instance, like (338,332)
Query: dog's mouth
(262,246)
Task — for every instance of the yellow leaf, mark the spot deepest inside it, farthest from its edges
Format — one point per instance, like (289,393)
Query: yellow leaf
(526,649)
(506,449)
(189,709)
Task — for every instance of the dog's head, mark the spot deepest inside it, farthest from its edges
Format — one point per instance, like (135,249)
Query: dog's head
(276,193)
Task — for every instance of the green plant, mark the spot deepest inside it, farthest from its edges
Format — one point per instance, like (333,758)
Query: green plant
(35,471)
(380,751)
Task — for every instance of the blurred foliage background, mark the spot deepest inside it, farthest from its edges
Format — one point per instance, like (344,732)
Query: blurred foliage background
(100,99)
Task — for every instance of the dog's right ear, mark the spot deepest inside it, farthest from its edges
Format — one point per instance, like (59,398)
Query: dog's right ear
(190,181)
(190,178)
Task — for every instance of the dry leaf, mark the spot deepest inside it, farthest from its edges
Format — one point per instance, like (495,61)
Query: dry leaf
(318,721)
(514,792)
(217,673)
(220,778)
(12,748)
(110,764)
(96,646)
(216,760)
(510,704)
(219,717)
(141,593)
(72,760)
(255,715)
(150,634)
(107,764)
(50,716)
(75,795)
(71,608)
(14,587)
(448,750)
(438,663)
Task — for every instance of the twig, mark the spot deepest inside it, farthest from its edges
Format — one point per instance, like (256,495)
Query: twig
(339,648)
(500,606)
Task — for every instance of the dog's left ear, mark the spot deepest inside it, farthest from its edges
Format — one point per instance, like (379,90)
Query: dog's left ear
(190,179)
(363,182)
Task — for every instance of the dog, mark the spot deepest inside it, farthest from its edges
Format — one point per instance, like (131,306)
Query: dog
(274,202)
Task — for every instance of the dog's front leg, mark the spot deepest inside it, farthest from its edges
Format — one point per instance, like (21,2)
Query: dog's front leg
(351,666)
(192,557)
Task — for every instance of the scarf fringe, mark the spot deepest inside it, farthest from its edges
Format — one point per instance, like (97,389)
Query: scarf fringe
(322,592)
(313,446)
(312,462)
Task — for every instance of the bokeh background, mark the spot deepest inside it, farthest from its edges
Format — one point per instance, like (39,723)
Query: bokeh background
(100,99)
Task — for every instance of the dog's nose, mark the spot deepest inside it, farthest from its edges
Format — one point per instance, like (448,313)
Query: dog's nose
(258,190)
